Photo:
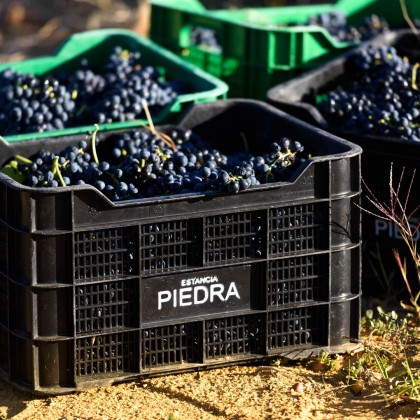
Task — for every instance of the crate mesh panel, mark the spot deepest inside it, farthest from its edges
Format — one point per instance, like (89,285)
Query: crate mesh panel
(294,280)
(104,253)
(170,345)
(168,245)
(4,348)
(106,354)
(3,302)
(3,248)
(297,327)
(106,305)
(233,336)
(232,237)
(297,228)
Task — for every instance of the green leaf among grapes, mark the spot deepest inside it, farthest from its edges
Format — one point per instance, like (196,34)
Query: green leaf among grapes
(12,171)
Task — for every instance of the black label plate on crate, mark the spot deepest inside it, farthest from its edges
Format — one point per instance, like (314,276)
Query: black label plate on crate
(189,294)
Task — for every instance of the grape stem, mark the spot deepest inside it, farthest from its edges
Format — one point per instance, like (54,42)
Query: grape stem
(407,18)
(414,77)
(281,157)
(165,138)
(148,116)
(56,170)
(95,156)
(81,110)
(23,159)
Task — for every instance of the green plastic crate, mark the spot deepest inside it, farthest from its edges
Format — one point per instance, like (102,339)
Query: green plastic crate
(259,47)
(96,46)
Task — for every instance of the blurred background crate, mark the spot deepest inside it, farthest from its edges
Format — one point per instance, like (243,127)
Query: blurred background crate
(255,48)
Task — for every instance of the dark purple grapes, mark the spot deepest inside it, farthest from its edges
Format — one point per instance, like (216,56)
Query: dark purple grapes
(126,84)
(205,38)
(335,22)
(91,94)
(382,98)
(32,104)
(139,164)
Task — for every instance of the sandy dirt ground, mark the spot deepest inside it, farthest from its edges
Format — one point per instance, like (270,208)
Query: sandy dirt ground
(241,392)
(287,391)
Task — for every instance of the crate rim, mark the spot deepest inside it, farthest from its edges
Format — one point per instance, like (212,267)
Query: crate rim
(353,150)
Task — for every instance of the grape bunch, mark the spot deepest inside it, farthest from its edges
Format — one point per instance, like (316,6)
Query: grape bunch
(116,92)
(204,37)
(33,104)
(142,164)
(335,22)
(382,99)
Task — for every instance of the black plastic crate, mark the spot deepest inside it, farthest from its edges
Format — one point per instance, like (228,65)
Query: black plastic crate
(298,97)
(103,292)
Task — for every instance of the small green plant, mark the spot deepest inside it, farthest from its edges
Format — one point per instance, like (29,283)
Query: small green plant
(396,212)
(277,362)
(387,359)
(384,322)
(327,359)
(388,326)
(407,383)
(359,369)
(323,362)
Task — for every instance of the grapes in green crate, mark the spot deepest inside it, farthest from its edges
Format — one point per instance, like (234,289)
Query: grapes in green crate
(89,95)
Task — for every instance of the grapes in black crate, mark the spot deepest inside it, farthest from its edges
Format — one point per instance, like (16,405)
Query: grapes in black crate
(142,164)
(336,24)
(156,265)
(381,100)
